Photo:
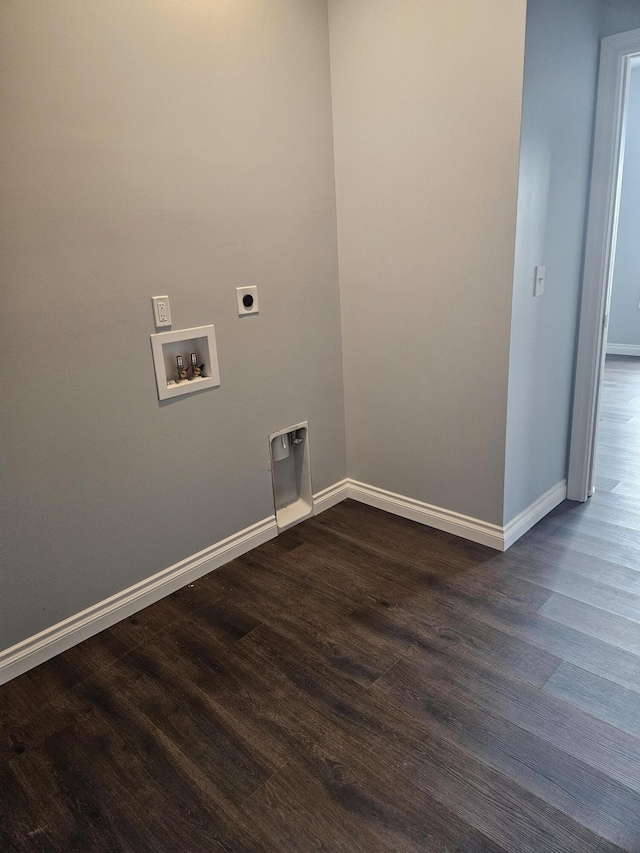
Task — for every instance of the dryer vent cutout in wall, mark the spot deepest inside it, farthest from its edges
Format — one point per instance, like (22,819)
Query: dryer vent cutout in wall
(291,473)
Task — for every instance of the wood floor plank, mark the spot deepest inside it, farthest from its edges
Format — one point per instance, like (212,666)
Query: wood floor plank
(606,532)
(135,755)
(615,501)
(627,488)
(365,807)
(318,617)
(572,641)
(294,813)
(407,627)
(597,696)
(614,509)
(583,792)
(618,632)
(529,555)
(609,847)
(21,825)
(588,591)
(605,484)
(572,730)
(26,695)
(589,543)
(312,708)
(411,549)
(67,799)
(518,820)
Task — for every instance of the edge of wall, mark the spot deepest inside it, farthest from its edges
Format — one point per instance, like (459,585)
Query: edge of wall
(623,349)
(536,511)
(37,649)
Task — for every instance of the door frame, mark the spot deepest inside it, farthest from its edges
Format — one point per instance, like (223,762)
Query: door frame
(602,223)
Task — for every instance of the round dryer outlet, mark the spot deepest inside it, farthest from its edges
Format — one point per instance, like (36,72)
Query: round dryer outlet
(247,300)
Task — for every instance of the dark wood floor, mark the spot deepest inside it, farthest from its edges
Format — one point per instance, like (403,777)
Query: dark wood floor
(361,683)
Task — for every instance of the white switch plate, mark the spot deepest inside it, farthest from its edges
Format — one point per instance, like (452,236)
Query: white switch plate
(161,311)
(538,287)
(249,295)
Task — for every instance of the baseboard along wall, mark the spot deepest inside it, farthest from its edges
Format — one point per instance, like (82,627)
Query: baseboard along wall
(474,529)
(35,650)
(60,637)
(623,349)
(534,513)
(429,515)
(331,496)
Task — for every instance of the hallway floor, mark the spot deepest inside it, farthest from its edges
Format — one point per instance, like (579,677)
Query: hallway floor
(360,683)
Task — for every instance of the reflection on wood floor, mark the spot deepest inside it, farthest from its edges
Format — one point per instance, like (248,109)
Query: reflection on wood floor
(360,683)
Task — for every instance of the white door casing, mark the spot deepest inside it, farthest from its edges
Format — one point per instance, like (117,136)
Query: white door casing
(608,153)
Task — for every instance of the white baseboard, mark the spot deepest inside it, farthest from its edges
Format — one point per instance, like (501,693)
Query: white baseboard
(433,516)
(58,638)
(525,520)
(331,496)
(623,349)
(464,526)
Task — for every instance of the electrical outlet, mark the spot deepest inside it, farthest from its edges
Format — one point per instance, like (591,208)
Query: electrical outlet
(161,311)
(247,300)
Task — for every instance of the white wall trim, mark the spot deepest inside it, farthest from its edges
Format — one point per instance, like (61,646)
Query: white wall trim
(60,637)
(433,516)
(330,496)
(525,520)
(461,525)
(623,349)
(604,201)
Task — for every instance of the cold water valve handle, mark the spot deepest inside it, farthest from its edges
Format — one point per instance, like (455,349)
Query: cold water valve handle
(183,372)
(196,369)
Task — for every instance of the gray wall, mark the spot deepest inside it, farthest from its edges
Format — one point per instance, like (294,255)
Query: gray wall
(148,148)
(619,16)
(561,62)
(427,101)
(624,315)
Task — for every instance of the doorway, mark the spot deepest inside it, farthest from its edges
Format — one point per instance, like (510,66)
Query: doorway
(620,54)
(617,468)
(617,464)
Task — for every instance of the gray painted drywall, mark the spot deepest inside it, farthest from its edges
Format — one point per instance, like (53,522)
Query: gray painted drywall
(561,62)
(426,107)
(151,148)
(624,314)
(619,16)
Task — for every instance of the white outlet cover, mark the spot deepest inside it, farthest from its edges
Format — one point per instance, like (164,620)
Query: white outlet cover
(241,293)
(161,311)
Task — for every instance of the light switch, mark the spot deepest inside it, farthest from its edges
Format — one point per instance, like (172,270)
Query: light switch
(538,287)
